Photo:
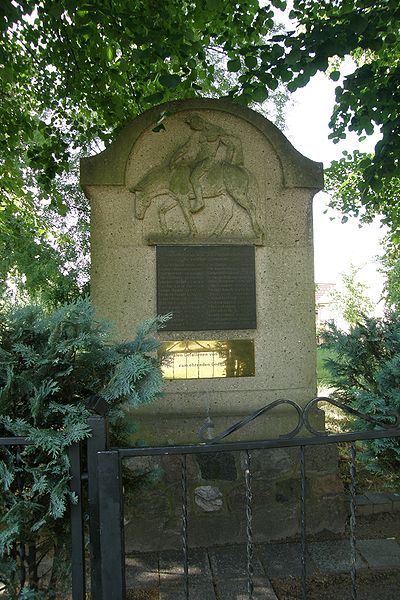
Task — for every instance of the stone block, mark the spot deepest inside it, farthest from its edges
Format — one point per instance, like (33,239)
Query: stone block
(321,460)
(172,569)
(229,589)
(263,493)
(217,466)
(333,557)
(231,562)
(215,529)
(203,591)
(326,514)
(272,464)
(208,498)
(141,570)
(380,502)
(283,560)
(277,522)
(364,505)
(172,468)
(380,554)
(395,498)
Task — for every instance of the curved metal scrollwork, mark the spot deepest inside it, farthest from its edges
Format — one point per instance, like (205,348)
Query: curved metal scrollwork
(349,410)
(303,415)
(240,424)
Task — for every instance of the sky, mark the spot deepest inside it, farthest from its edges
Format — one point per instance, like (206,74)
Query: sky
(336,245)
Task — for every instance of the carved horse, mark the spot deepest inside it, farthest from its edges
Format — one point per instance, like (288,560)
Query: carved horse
(174,183)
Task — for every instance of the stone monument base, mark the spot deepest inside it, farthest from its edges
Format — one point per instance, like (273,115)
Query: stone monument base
(216,485)
(217,498)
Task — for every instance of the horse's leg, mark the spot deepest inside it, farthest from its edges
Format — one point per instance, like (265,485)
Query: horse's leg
(162,211)
(250,208)
(183,202)
(226,217)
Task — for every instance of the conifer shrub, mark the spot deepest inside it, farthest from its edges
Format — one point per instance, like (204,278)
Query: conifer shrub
(364,367)
(50,365)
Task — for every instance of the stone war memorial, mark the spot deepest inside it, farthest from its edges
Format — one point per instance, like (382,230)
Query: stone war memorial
(203,209)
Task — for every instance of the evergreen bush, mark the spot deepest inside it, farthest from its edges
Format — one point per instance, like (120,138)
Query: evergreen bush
(50,365)
(364,368)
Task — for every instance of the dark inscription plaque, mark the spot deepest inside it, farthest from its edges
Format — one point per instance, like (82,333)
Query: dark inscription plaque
(207,287)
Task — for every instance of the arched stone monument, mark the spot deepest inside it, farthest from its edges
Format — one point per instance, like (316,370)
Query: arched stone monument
(209,217)
(203,208)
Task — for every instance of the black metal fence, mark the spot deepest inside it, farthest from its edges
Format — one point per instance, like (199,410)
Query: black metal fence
(99,468)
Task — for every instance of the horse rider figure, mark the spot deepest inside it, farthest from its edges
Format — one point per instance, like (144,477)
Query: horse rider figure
(210,144)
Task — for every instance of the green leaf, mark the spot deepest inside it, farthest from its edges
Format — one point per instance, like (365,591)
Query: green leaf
(154,98)
(335,75)
(234,65)
(170,81)
(250,62)
(260,94)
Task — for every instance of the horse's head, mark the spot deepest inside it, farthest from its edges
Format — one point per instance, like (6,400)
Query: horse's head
(142,202)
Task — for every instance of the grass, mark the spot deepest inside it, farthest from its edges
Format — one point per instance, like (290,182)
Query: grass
(323,375)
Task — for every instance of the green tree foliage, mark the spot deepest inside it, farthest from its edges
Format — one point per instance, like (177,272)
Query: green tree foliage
(364,368)
(324,33)
(73,72)
(353,302)
(49,366)
(390,267)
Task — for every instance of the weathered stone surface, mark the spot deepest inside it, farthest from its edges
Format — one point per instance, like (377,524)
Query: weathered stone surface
(262,495)
(395,498)
(275,463)
(141,570)
(333,557)
(277,522)
(202,591)
(218,174)
(209,498)
(172,570)
(148,503)
(328,514)
(363,505)
(172,468)
(221,466)
(228,589)
(231,561)
(322,459)
(380,554)
(380,502)
(209,529)
(283,560)
(287,491)
(273,211)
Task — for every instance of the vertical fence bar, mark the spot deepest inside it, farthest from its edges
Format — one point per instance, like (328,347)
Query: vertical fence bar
(303,522)
(77,532)
(111,526)
(96,443)
(353,474)
(249,529)
(184,526)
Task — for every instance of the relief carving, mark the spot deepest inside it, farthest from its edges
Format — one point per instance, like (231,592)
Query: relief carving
(208,165)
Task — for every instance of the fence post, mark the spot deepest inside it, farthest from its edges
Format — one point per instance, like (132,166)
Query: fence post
(96,443)
(77,531)
(112,547)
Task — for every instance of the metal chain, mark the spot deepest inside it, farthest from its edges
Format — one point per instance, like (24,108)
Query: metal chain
(184,526)
(249,530)
(303,522)
(353,474)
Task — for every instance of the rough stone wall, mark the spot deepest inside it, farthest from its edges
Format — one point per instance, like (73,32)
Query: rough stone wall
(217,496)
